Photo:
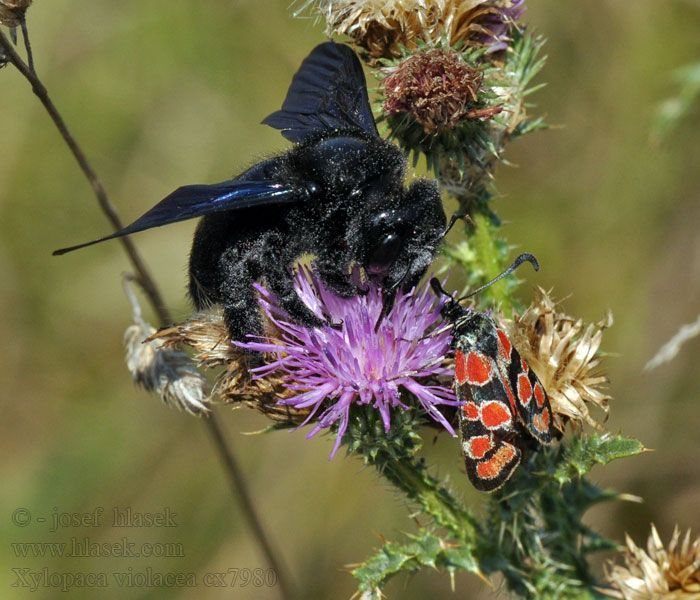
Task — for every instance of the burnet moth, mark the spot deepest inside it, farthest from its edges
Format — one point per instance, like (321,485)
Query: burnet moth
(504,401)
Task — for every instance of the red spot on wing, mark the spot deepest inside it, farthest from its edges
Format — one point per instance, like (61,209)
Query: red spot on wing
(494,466)
(524,389)
(545,418)
(504,347)
(471,411)
(478,369)
(495,414)
(478,446)
(523,365)
(460,367)
(539,394)
(541,422)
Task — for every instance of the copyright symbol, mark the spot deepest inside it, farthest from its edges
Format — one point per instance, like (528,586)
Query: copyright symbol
(21,517)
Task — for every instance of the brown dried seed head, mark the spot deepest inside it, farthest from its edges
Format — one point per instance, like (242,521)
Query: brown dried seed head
(563,354)
(12,11)
(382,27)
(170,374)
(437,87)
(207,334)
(671,573)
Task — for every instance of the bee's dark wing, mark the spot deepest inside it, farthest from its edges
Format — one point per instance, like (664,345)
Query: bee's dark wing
(328,91)
(192,201)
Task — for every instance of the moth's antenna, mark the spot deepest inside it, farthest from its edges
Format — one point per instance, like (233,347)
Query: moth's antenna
(438,289)
(525,257)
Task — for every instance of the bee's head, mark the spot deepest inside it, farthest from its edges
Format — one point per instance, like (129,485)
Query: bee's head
(399,243)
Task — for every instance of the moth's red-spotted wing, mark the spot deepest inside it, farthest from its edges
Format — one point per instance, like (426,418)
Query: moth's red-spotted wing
(525,391)
(487,420)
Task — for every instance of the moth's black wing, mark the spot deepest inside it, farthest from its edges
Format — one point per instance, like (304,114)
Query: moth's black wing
(192,201)
(328,91)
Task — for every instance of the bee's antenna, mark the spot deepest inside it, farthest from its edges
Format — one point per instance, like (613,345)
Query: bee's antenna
(455,217)
(388,300)
(525,257)
(434,283)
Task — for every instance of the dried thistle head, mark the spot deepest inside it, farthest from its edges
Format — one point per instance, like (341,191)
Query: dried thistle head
(170,374)
(563,354)
(382,28)
(660,573)
(436,87)
(12,12)
(206,333)
(439,102)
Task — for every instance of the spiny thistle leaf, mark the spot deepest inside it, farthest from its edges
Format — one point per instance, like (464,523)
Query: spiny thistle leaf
(583,454)
(424,549)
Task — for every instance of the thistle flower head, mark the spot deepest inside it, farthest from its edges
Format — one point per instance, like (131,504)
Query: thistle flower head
(439,102)
(330,368)
(437,88)
(671,573)
(382,28)
(206,333)
(12,11)
(563,353)
(497,23)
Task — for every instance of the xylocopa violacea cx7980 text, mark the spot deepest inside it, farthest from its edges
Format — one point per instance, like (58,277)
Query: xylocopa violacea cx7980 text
(337,194)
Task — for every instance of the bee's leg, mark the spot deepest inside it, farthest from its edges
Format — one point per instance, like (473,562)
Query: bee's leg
(280,284)
(239,299)
(279,280)
(337,279)
(201,296)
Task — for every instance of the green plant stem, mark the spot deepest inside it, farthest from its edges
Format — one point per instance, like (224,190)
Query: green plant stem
(484,244)
(411,478)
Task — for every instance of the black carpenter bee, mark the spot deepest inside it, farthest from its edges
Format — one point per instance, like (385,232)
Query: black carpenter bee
(338,194)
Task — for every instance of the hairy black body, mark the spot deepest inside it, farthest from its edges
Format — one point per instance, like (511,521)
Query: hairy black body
(338,194)
(357,212)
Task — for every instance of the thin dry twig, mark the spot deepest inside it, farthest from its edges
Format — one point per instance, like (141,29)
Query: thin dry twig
(27,45)
(144,279)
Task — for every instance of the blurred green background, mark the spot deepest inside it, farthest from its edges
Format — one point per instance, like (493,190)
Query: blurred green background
(162,94)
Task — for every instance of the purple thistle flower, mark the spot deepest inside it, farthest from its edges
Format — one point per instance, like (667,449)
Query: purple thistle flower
(498,23)
(335,367)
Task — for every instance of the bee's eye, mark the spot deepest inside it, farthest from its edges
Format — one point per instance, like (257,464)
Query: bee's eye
(384,254)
